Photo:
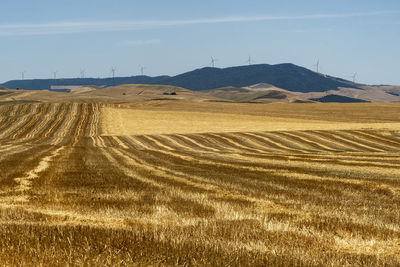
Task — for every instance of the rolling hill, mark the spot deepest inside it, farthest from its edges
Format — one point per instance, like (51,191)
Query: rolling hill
(120,93)
(259,93)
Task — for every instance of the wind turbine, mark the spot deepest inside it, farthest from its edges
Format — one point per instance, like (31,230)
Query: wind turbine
(317,66)
(55,75)
(82,74)
(23,74)
(113,70)
(213,60)
(142,70)
(354,76)
(249,60)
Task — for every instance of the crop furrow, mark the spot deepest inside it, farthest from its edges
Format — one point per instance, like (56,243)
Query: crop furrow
(355,146)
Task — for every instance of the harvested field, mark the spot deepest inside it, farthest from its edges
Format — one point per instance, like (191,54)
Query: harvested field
(150,184)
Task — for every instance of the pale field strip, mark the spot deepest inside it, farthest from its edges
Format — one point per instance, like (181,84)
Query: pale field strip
(145,122)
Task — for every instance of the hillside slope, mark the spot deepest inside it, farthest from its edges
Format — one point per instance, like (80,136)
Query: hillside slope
(255,94)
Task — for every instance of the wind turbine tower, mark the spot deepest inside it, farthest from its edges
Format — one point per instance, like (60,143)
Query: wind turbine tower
(142,70)
(213,60)
(250,61)
(317,66)
(55,75)
(354,76)
(23,75)
(82,74)
(113,70)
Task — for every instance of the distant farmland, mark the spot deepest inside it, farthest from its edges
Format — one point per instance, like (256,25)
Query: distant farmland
(184,183)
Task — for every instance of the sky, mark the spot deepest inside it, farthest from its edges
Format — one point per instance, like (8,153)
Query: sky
(72,37)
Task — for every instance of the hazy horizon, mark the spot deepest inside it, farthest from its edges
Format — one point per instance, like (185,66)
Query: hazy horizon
(44,36)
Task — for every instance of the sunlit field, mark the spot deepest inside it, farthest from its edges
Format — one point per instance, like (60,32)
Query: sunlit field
(182,183)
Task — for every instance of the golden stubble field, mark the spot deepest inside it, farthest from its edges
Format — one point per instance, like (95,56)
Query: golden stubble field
(192,183)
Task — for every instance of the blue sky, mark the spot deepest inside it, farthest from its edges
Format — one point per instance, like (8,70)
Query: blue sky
(171,37)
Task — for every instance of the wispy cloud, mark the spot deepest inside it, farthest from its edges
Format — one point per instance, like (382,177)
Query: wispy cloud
(140,42)
(311,30)
(106,26)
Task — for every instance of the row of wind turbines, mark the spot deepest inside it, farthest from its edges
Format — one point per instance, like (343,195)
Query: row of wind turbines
(249,61)
(82,73)
(353,77)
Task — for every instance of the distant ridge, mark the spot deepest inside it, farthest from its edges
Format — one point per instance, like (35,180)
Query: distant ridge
(338,99)
(286,76)
(45,84)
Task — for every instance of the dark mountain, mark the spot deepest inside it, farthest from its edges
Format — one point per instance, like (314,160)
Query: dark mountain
(338,99)
(285,76)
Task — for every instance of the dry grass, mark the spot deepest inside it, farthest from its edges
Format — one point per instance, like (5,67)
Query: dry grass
(237,194)
(117,121)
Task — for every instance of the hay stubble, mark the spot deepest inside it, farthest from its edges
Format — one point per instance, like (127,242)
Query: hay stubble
(94,184)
